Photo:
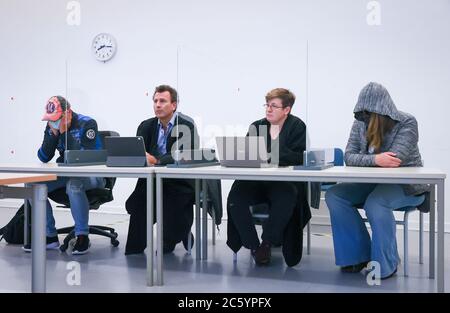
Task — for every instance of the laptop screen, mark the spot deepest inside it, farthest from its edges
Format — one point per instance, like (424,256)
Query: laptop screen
(249,148)
(125,151)
(125,146)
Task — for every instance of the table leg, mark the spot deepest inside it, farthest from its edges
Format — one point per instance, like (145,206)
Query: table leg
(38,244)
(205,222)
(26,229)
(197,220)
(441,234)
(150,219)
(432,233)
(159,230)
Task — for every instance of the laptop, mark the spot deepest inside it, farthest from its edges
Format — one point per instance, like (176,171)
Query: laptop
(194,158)
(249,151)
(83,157)
(125,152)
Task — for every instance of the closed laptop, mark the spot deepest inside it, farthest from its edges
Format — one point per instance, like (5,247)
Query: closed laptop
(84,157)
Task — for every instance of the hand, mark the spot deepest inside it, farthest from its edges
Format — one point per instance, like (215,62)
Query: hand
(64,126)
(54,130)
(151,159)
(387,159)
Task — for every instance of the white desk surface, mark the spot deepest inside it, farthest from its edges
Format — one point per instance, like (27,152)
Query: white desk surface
(337,171)
(54,168)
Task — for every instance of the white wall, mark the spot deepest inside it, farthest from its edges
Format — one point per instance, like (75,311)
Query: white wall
(230,54)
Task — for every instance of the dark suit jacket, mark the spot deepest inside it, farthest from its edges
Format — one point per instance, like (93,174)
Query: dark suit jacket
(148,129)
(136,204)
(291,143)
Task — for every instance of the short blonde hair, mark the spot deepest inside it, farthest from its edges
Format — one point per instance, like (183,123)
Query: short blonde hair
(286,96)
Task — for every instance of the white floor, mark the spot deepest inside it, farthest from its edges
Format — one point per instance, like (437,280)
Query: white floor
(107,269)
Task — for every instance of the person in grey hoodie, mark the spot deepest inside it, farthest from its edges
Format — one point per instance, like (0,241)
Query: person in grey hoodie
(381,136)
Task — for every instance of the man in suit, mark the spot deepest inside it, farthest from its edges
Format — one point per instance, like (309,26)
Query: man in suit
(163,134)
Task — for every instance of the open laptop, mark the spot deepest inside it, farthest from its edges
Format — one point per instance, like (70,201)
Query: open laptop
(83,157)
(125,152)
(249,151)
(188,158)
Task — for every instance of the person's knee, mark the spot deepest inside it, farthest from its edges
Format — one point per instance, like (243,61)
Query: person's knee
(331,198)
(74,186)
(374,208)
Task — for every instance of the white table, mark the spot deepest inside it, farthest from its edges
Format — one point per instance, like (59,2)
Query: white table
(337,174)
(38,195)
(99,171)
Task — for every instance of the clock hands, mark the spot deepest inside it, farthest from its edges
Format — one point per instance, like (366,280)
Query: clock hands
(104,46)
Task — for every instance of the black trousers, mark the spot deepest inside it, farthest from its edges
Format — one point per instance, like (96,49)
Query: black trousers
(178,216)
(282,199)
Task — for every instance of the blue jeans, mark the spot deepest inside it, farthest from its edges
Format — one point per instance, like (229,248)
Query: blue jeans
(352,243)
(79,203)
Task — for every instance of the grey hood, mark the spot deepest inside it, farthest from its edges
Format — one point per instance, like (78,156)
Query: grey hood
(375,98)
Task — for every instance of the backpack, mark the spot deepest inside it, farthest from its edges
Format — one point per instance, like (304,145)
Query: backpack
(13,232)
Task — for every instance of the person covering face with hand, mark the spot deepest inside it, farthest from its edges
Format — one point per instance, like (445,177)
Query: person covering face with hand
(67,130)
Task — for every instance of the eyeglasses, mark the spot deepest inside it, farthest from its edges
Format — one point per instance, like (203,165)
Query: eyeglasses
(268,105)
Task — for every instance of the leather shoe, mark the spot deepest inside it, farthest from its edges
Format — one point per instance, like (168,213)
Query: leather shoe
(262,254)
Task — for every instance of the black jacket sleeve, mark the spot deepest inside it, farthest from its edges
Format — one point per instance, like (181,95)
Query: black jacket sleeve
(140,130)
(47,150)
(291,151)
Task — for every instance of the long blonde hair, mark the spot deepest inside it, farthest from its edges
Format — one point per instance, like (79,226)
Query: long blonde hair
(379,125)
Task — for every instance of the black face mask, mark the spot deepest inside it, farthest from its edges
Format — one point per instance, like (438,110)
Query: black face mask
(363,116)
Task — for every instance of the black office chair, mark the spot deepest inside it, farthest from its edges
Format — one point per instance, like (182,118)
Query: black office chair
(96,197)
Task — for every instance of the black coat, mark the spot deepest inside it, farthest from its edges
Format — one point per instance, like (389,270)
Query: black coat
(291,142)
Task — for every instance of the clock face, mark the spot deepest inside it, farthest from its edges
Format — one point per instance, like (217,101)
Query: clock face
(104,47)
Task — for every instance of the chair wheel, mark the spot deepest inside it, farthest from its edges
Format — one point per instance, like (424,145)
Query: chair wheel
(114,242)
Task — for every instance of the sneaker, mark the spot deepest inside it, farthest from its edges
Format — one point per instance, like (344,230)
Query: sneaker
(52,244)
(82,245)
(262,254)
(354,268)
